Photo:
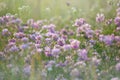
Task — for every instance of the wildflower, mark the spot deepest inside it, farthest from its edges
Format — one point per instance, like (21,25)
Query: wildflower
(14,49)
(35,25)
(109,21)
(5,32)
(108,39)
(32,36)
(79,22)
(19,35)
(30,21)
(24,46)
(55,51)
(2,55)
(48,51)
(2,21)
(101,37)
(61,41)
(12,40)
(117,38)
(75,44)
(118,10)
(48,41)
(117,66)
(25,39)
(83,54)
(100,18)
(67,47)
(55,37)
(96,61)
(51,28)
(75,73)
(27,70)
(89,33)
(64,32)
(117,21)
(92,42)
(115,78)
(16,21)
(60,77)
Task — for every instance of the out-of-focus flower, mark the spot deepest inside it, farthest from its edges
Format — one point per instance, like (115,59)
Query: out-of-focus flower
(108,39)
(55,51)
(109,21)
(75,73)
(100,18)
(75,44)
(35,25)
(51,28)
(61,41)
(64,32)
(19,35)
(30,21)
(89,33)
(48,41)
(118,29)
(97,32)
(101,37)
(79,22)
(115,78)
(2,21)
(117,38)
(96,61)
(25,39)
(55,37)
(117,21)
(92,42)
(14,49)
(60,77)
(117,66)
(2,55)
(16,21)
(5,32)
(48,51)
(118,12)
(83,54)
(27,70)
(24,46)
(12,40)
(67,47)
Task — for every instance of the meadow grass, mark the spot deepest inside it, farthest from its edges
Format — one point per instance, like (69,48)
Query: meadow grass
(43,55)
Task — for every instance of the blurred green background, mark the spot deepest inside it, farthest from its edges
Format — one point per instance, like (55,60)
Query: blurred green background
(63,10)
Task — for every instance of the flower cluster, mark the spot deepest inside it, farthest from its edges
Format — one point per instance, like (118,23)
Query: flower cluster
(38,49)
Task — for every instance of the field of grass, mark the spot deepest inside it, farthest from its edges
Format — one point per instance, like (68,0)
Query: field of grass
(59,40)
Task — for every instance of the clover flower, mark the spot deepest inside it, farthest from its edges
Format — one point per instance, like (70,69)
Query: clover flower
(83,54)
(61,41)
(5,32)
(117,21)
(75,43)
(79,22)
(117,66)
(100,18)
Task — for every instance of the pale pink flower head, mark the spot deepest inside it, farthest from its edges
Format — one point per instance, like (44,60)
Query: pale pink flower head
(48,51)
(61,41)
(79,22)
(117,66)
(75,43)
(83,54)
(67,47)
(100,18)
(115,78)
(117,21)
